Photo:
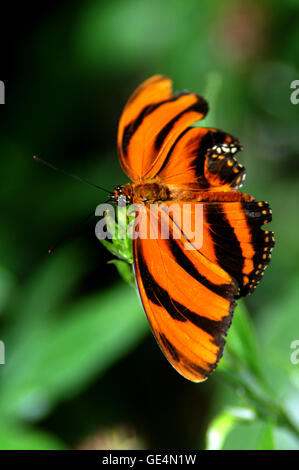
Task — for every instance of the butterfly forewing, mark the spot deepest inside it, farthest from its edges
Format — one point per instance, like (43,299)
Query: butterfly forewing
(151,121)
(188,299)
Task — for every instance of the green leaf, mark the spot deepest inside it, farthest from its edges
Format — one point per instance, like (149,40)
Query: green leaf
(266,440)
(47,288)
(218,430)
(221,426)
(285,440)
(277,332)
(82,343)
(122,249)
(117,222)
(241,340)
(255,435)
(18,437)
(125,270)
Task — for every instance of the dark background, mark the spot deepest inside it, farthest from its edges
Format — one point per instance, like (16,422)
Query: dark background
(68,69)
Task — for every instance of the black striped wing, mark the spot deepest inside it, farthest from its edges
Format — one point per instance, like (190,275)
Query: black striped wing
(188,299)
(202,159)
(151,121)
(189,295)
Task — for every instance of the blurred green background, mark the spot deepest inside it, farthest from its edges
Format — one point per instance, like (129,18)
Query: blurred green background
(82,369)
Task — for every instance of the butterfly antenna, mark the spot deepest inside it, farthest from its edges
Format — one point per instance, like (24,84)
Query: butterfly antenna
(71,234)
(70,174)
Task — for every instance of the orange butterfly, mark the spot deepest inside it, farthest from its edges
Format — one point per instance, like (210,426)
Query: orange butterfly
(189,295)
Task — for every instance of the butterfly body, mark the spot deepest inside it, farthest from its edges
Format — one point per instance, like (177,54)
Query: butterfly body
(189,294)
(143,192)
(154,192)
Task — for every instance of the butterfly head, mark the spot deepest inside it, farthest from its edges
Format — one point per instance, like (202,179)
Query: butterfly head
(122,195)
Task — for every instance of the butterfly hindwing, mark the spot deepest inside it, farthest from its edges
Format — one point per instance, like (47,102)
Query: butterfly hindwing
(221,169)
(202,158)
(240,246)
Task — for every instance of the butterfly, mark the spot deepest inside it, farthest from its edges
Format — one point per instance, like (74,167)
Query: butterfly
(189,295)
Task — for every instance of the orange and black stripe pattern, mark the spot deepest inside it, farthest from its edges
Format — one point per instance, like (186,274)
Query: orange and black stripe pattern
(152,117)
(188,300)
(189,295)
(202,158)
